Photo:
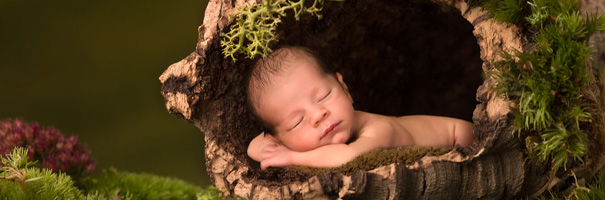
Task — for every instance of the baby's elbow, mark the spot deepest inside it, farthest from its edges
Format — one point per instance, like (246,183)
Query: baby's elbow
(254,153)
(465,135)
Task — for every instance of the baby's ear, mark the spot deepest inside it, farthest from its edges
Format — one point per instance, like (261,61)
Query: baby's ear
(343,85)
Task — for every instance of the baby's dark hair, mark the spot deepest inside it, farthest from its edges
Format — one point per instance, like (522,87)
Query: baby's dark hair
(266,68)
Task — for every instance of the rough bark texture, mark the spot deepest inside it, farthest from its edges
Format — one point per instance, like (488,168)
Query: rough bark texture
(594,97)
(598,39)
(399,58)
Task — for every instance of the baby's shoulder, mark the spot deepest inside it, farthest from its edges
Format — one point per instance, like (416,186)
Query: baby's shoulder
(424,119)
(375,125)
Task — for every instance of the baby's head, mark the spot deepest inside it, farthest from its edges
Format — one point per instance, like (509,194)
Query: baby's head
(299,101)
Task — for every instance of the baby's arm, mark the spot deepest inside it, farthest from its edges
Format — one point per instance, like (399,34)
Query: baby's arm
(438,131)
(380,134)
(463,133)
(258,144)
(332,155)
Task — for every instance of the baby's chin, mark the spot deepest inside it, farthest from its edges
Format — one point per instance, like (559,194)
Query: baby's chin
(340,138)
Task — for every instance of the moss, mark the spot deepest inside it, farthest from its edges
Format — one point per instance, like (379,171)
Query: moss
(377,158)
(545,83)
(140,186)
(511,11)
(594,190)
(19,180)
(22,179)
(113,184)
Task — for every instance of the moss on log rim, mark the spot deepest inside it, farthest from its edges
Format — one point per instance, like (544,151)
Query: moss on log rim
(545,81)
(377,158)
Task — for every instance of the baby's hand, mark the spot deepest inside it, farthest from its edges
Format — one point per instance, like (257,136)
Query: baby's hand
(275,155)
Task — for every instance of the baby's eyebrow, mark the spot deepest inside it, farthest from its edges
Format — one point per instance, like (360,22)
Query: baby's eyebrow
(315,90)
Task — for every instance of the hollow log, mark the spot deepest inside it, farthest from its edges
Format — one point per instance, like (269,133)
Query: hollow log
(398,58)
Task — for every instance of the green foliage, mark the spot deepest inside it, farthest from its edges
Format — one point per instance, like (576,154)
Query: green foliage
(511,11)
(22,179)
(140,186)
(17,159)
(534,14)
(255,25)
(545,11)
(18,180)
(112,184)
(546,82)
(594,23)
(594,191)
(213,193)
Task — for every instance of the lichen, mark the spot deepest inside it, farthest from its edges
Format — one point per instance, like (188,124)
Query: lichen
(253,26)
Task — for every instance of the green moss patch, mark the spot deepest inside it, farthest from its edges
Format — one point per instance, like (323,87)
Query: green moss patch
(544,82)
(22,179)
(377,158)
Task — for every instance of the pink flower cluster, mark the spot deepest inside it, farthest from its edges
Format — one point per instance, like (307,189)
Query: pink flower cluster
(46,145)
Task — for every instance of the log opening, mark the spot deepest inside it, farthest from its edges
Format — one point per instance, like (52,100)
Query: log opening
(398,58)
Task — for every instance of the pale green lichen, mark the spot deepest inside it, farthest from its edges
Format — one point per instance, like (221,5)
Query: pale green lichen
(255,25)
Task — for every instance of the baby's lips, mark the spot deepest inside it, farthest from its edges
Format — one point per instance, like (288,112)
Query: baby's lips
(331,128)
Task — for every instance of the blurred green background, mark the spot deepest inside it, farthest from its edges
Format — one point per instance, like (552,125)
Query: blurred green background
(91,68)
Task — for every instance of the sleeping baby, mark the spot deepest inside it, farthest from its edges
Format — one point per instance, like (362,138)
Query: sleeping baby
(308,116)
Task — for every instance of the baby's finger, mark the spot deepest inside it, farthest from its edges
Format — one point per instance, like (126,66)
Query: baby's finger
(264,165)
(266,155)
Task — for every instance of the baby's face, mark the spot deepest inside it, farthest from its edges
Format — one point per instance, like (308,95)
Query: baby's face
(307,107)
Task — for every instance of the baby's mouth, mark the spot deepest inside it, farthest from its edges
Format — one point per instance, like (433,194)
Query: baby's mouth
(331,128)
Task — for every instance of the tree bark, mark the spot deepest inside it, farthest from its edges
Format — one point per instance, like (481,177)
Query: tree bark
(399,58)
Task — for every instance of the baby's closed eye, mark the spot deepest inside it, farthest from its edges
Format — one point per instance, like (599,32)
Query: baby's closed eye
(299,121)
(325,96)
(295,122)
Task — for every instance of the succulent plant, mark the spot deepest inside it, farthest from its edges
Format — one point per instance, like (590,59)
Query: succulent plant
(47,145)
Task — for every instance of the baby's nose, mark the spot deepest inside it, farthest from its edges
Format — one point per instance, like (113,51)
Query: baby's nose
(319,116)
